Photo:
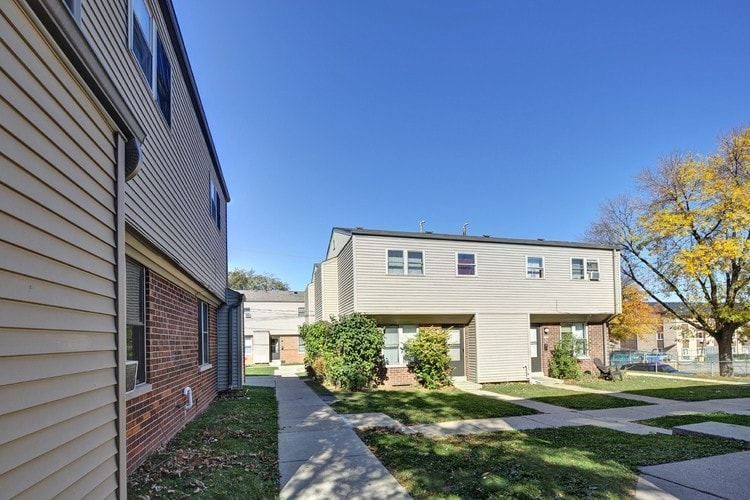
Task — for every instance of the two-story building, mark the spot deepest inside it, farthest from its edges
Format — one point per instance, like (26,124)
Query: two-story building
(272,320)
(116,327)
(506,301)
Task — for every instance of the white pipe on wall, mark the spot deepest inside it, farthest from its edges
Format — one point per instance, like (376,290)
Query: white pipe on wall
(187,391)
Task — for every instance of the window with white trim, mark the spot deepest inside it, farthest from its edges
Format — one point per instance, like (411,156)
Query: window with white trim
(405,262)
(685,352)
(301,312)
(394,338)
(466,264)
(248,346)
(535,267)
(215,202)
(592,269)
(248,312)
(135,297)
(149,52)
(301,345)
(202,333)
(580,336)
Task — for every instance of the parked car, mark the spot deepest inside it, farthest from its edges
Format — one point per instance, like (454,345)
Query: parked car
(650,367)
(625,356)
(656,356)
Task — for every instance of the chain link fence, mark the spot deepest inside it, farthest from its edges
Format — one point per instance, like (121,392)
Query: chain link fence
(712,366)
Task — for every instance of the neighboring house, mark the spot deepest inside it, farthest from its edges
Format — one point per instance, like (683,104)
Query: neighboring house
(505,301)
(113,246)
(682,342)
(272,321)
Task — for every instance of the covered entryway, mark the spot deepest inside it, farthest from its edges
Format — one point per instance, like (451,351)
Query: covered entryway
(456,350)
(275,348)
(535,353)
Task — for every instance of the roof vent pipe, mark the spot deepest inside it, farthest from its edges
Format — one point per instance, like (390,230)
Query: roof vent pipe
(421,226)
(465,225)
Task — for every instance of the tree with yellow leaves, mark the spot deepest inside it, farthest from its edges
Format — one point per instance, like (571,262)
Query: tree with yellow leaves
(687,236)
(637,320)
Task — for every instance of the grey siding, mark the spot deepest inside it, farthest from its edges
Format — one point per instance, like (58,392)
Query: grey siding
(58,275)
(168,201)
(502,347)
(318,293)
(500,285)
(230,342)
(346,282)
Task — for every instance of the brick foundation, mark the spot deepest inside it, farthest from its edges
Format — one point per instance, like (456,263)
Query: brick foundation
(596,346)
(399,375)
(290,350)
(154,418)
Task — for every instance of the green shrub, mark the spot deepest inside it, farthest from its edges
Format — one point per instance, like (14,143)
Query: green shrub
(428,357)
(315,336)
(353,352)
(564,364)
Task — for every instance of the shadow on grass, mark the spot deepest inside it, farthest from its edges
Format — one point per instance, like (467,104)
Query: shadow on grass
(421,407)
(570,462)
(696,392)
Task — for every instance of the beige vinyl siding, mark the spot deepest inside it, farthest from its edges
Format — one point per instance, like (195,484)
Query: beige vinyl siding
(503,347)
(346,283)
(58,280)
(500,285)
(310,303)
(470,341)
(330,279)
(168,201)
(318,293)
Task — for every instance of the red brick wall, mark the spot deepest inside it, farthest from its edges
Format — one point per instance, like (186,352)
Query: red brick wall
(596,346)
(171,365)
(290,350)
(399,375)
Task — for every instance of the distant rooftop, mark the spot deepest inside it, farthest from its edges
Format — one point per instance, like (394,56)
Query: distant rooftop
(483,238)
(273,296)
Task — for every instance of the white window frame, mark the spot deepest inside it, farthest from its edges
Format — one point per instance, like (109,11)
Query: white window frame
(474,265)
(541,269)
(403,336)
(214,203)
(584,354)
(248,346)
(248,312)
(203,333)
(405,269)
(582,275)
(153,44)
(589,269)
(301,349)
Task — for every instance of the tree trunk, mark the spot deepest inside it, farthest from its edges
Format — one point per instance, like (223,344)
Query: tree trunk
(725,351)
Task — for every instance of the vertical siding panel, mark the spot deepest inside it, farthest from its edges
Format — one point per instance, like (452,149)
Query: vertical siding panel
(57,274)
(330,279)
(346,279)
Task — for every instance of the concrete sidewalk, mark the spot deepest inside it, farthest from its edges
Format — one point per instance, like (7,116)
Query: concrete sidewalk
(320,455)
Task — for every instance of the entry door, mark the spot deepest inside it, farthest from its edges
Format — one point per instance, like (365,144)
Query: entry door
(275,349)
(534,353)
(456,351)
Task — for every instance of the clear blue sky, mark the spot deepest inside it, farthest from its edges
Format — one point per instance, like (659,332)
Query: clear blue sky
(519,117)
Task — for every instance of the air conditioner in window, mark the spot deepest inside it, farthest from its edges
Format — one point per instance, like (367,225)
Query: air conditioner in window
(594,275)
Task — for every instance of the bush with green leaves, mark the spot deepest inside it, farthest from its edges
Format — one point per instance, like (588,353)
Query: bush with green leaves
(564,363)
(428,357)
(346,353)
(315,336)
(354,352)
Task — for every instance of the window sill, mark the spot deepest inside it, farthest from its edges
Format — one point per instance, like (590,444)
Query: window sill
(139,390)
(205,367)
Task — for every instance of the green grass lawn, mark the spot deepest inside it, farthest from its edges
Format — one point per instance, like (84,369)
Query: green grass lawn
(696,418)
(228,452)
(561,397)
(669,388)
(259,370)
(419,406)
(569,462)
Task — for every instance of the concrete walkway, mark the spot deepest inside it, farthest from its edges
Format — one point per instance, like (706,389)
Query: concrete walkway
(320,455)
